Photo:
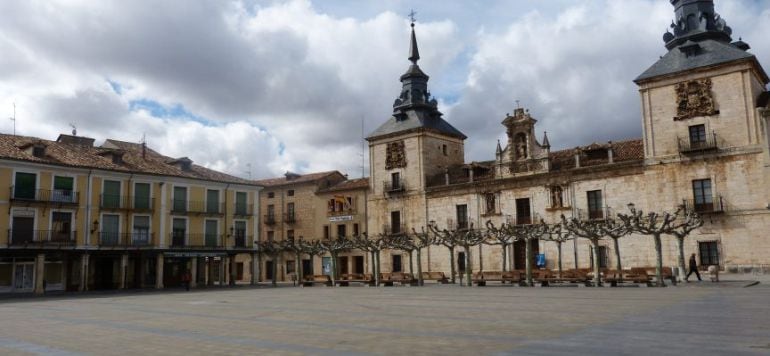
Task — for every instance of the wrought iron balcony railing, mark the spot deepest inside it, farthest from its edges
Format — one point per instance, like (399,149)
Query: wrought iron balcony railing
(394,187)
(290,218)
(688,145)
(715,205)
(126,202)
(40,237)
(270,219)
(243,210)
(391,229)
(48,196)
(197,207)
(179,240)
(120,239)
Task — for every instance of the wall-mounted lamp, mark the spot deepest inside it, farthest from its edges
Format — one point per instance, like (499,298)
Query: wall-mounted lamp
(95,226)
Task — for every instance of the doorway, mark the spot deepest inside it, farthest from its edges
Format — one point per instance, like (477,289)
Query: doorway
(307,268)
(103,273)
(342,265)
(358,264)
(520,253)
(397,267)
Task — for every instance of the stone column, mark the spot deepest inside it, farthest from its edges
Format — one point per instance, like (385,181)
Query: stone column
(254,268)
(39,274)
(233,270)
(209,272)
(83,273)
(222,270)
(123,270)
(159,271)
(193,272)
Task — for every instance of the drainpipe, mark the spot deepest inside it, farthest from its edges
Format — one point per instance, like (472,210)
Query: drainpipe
(609,153)
(87,222)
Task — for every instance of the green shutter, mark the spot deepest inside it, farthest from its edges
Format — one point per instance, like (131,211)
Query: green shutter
(24,187)
(240,203)
(212,201)
(142,196)
(211,233)
(180,199)
(111,194)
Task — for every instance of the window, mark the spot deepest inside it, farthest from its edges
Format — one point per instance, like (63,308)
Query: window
(290,211)
(212,201)
(341,230)
(290,235)
(703,200)
(110,229)
(270,236)
(141,233)
(355,229)
(326,232)
(111,194)
(63,189)
(490,199)
(557,197)
(395,181)
(142,196)
(397,263)
(709,253)
(239,231)
(61,226)
(290,192)
(595,210)
(270,195)
(271,212)
(443,149)
(178,232)
(38,151)
(523,213)
(461,262)
(395,222)
(339,204)
(211,229)
(25,185)
(290,266)
(180,199)
(462,216)
(603,259)
(240,203)
(697,135)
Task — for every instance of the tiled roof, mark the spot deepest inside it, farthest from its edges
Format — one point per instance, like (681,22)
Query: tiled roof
(351,184)
(298,179)
(83,156)
(629,150)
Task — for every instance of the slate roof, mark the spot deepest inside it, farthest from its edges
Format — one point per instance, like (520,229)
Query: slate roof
(303,178)
(416,120)
(711,53)
(92,157)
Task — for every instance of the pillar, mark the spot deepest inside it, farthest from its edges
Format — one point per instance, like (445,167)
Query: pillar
(39,274)
(254,268)
(233,270)
(193,272)
(83,273)
(159,271)
(222,270)
(209,272)
(142,271)
(123,270)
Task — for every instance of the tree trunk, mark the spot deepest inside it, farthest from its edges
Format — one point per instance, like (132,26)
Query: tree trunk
(411,264)
(618,264)
(468,266)
(275,270)
(298,269)
(334,268)
(597,275)
(452,263)
(528,264)
(558,248)
(505,257)
(680,246)
(420,282)
(377,265)
(373,266)
(659,262)
(481,258)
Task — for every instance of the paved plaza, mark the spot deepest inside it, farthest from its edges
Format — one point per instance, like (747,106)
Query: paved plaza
(694,318)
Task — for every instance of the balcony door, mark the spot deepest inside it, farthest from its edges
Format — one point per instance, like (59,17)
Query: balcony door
(142,196)
(24,186)
(212,231)
(239,230)
(63,188)
(523,212)
(701,189)
(395,222)
(178,232)
(110,229)
(111,194)
(23,230)
(141,231)
(61,226)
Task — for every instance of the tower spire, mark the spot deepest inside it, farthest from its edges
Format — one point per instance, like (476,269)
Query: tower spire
(414,53)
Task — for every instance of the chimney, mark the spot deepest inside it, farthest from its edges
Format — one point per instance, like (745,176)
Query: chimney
(577,157)
(76,140)
(609,152)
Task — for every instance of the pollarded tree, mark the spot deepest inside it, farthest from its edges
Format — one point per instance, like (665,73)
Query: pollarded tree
(681,229)
(334,247)
(312,248)
(404,243)
(528,233)
(558,234)
(374,245)
(297,249)
(653,224)
(444,237)
(271,249)
(467,238)
(590,230)
(421,240)
(499,236)
(615,230)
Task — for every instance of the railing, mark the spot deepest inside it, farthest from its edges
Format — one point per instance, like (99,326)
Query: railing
(342,212)
(126,202)
(598,214)
(392,187)
(57,196)
(243,210)
(390,229)
(290,218)
(687,145)
(243,241)
(270,219)
(25,237)
(197,207)
(196,240)
(715,206)
(522,220)
(136,239)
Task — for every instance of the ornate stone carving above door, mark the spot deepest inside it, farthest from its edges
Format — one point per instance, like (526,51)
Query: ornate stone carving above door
(395,155)
(694,98)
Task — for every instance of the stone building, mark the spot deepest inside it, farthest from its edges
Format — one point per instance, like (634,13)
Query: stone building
(119,215)
(705,112)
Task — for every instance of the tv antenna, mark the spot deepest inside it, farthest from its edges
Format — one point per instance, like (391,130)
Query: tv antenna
(14,119)
(248,170)
(74,129)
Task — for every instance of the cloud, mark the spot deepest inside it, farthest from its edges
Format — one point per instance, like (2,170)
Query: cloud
(285,85)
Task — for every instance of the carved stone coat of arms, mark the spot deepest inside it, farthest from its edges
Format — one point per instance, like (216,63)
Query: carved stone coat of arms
(395,155)
(694,98)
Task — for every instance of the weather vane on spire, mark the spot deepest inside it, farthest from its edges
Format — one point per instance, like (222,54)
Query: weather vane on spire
(411,16)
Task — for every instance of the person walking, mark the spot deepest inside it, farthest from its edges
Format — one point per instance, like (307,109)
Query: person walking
(186,277)
(693,268)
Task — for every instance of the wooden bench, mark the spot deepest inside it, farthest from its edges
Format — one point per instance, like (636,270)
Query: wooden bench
(317,279)
(542,277)
(666,272)
(481,278)
(348,278)
(573,276)
(439,277)
(403,278)
(385,279)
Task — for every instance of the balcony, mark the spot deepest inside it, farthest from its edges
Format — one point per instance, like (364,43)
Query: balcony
(391,229)
(197,207)
(716,205)
(290,218)
(243,241)
(594,214)
(243,210)
(270,219)
(126,202)
(124,240)
(394,187)
(41,237)
(689,146)
(44,196)
(196,241)
(343,212)
(522,220)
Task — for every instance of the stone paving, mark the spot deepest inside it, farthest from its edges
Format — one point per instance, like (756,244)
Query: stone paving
(701,318)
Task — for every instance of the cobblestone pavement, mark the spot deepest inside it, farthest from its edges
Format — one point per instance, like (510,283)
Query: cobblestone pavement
(397,320)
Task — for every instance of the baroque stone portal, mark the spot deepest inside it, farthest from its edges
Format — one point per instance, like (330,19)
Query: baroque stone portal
(693,99)
(395,155)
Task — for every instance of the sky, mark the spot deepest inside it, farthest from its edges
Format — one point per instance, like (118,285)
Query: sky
(256,88)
